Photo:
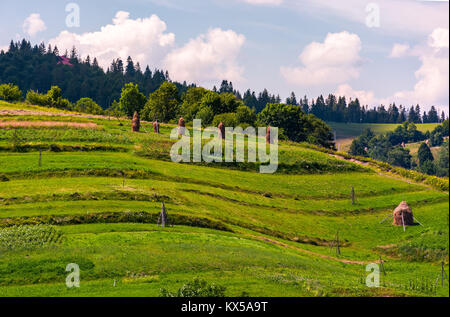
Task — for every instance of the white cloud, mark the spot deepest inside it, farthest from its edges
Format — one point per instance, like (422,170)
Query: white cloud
(209,57)
(433,75)
(439,38)
(264,2)
(365,97)
(334,61)
(420,17)
(399,50)
(145,40)
(432,83)
(33,24)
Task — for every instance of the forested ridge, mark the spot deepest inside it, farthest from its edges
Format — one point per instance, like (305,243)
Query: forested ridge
(39,67)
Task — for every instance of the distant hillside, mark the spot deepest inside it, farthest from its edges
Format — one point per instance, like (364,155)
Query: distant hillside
(346,132)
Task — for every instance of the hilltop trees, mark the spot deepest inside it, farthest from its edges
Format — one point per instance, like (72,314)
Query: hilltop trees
(131,99)
(162,104)
(296,125)
(192,103)
(36,68)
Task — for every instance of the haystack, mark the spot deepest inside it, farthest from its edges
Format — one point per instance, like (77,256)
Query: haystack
(136,123)
(403,215)
(163,219)
(268,136)
(221,128)
(181,126)
(156,126)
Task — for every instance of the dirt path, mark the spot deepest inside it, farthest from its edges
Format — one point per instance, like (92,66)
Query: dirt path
(284,245)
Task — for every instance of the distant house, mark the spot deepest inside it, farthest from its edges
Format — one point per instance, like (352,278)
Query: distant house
(64,61)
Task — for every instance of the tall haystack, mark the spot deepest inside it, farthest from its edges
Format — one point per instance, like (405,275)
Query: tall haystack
(221,129)
(136,123)
(163,219)
(403,215)
(156,126)
(181,126)
(268,136)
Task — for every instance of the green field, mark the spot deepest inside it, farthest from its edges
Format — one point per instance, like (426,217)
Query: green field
(257,235)
(346,132)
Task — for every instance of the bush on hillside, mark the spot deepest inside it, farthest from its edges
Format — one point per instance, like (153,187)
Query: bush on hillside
(10,92)
(131,99)
(297,126)
(228,120)
(162,104)
(53,98)
(87,105)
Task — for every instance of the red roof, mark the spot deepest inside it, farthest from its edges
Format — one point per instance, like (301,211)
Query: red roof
(64,61)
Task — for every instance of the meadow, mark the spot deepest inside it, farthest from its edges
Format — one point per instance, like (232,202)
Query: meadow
(92,196)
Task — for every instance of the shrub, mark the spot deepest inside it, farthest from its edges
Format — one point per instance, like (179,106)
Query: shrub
(196,288)
(228,120)
(245,115)
(206,115)
(10,92)
(297,126)
(87,105)
(131,99)
(35,98)
(53,98)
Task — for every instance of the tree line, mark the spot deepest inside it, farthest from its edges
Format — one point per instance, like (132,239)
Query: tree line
(37,68)
(166,105)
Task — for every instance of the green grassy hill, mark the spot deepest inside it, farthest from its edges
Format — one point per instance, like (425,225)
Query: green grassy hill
(346,132)
(101,187)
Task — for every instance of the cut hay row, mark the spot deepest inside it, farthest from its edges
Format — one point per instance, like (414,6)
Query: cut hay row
(46,124)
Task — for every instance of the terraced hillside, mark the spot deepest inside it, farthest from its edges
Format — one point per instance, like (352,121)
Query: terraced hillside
(86,190)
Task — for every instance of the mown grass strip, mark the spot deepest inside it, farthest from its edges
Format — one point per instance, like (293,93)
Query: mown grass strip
(113,217)
(115,195)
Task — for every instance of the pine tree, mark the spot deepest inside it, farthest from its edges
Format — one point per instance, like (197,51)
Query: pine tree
(433,116)
(424,154)
(291,100)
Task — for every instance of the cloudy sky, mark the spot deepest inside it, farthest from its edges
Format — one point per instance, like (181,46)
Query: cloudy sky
(377,50)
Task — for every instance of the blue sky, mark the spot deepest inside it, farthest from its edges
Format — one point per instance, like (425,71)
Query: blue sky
(310,47)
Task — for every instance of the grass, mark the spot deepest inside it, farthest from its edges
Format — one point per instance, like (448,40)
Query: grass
(255,234)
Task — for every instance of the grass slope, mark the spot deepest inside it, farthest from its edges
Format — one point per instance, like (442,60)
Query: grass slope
(258,235)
